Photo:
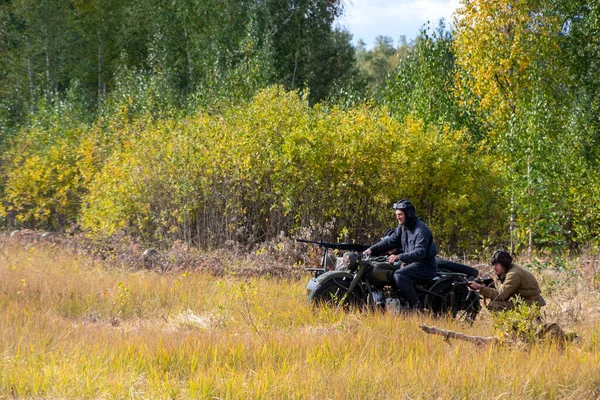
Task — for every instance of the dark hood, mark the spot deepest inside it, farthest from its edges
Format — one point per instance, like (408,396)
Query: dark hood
(409,211)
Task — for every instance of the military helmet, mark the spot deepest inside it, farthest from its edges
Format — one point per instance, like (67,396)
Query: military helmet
(501,257)
(407,208)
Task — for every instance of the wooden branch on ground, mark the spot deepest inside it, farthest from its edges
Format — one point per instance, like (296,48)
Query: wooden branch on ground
(478,340)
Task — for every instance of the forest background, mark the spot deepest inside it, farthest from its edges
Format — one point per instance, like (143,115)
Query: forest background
(212,122)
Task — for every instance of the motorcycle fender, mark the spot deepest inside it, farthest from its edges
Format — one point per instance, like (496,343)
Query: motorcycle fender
(439,281)
(329,275)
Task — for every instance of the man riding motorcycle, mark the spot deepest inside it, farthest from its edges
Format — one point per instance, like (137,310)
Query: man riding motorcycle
(418,251)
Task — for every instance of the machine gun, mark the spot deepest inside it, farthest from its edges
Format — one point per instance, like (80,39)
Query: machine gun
(489,282)
(357,247)
(338,246)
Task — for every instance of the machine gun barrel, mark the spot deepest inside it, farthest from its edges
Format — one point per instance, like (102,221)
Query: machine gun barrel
(338,246)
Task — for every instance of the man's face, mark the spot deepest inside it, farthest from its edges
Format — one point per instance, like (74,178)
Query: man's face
(498,269)
(400,216)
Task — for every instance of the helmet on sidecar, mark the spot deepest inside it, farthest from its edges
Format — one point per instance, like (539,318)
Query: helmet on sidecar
(351,260)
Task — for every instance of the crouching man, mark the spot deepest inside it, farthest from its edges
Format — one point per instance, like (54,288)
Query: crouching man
(515,281)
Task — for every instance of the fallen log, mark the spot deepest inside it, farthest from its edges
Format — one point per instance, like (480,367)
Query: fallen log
(478,340)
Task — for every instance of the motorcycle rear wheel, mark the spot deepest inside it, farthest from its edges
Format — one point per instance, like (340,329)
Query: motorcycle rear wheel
(463,308)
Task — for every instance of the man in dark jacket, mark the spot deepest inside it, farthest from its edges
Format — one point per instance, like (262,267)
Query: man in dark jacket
(418,251)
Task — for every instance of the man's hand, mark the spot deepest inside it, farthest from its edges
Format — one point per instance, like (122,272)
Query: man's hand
(393,258)
(474,285)
(367,253)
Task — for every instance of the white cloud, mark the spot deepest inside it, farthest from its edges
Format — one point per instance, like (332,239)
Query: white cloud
(366,19)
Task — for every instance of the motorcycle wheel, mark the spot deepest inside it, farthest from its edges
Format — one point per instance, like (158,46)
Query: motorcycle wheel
(471,307)
(466,307)
(332,293)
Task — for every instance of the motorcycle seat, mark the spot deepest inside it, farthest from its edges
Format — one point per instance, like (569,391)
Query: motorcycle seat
(450,266)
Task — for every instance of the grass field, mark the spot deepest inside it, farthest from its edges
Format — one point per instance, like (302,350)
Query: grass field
(75,328)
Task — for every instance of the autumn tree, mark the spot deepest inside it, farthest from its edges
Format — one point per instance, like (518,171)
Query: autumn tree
(511,58)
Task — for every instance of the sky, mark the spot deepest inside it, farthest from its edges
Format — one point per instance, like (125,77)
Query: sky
(366,19)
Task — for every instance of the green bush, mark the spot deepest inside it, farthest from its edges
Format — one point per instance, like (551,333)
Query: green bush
(277,164)
(248,173)
(46,173)
(520,324)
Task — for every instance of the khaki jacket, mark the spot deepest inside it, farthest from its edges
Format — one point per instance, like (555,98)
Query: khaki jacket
(517,281)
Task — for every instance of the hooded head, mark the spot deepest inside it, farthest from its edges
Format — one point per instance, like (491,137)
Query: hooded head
(408,209)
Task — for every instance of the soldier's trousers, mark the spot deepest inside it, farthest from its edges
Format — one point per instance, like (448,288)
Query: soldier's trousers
(405,278)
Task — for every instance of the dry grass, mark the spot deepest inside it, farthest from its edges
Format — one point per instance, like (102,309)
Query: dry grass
(73,327)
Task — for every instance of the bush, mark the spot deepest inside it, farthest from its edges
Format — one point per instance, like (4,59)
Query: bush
(277,164)
(47,171)
(274,164)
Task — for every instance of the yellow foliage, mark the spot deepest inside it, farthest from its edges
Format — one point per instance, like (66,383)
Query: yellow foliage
(277,164)
(496,45)
(47,175)
(274,164)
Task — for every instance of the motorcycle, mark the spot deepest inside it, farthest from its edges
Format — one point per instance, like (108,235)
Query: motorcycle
(366,283)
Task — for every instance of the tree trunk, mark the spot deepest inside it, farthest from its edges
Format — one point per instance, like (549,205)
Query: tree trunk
(30,77)
(47,53)
(190,70)
(100,61)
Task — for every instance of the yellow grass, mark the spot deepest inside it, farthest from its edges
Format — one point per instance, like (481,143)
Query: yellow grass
(72,328)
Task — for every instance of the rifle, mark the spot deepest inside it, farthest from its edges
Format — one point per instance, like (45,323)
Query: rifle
(485,282)
(489,282)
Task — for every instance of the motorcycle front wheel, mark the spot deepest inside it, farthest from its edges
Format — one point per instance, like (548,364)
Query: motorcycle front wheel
(333,292)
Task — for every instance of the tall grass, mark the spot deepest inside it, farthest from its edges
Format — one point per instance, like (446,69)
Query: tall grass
(73,328)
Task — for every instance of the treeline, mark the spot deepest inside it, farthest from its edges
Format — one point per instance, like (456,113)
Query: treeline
(210,121)
(201,50)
